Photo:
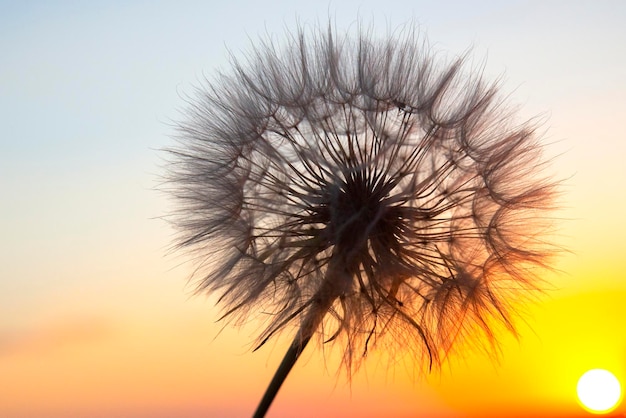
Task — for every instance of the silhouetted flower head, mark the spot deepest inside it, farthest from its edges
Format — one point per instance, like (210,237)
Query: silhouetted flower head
(367,182)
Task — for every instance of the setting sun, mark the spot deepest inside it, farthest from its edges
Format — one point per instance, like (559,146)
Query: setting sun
(598,390)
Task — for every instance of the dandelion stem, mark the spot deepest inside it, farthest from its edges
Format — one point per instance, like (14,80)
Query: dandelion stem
(323,300)
(291,356)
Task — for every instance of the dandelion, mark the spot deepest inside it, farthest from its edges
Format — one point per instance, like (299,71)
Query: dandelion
(360,190)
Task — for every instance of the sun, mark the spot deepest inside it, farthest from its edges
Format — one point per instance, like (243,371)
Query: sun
(599,391)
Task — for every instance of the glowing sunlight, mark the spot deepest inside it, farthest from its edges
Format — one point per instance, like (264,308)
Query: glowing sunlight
(599,391)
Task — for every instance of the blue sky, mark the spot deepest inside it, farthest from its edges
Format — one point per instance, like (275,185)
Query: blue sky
(88,94)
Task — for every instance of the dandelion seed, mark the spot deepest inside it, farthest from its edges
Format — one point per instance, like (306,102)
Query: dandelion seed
(361,191)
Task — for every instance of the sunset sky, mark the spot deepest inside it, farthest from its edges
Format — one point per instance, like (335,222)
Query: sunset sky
(97,318)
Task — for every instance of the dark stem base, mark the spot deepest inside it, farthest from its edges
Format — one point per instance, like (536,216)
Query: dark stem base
(291,356)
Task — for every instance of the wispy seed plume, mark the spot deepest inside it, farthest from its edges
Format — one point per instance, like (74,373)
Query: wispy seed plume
(361,190)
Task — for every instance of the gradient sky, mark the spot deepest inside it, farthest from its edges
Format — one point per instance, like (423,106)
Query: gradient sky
(97,320)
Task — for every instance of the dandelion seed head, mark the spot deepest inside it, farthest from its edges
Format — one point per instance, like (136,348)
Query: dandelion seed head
(367,181)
